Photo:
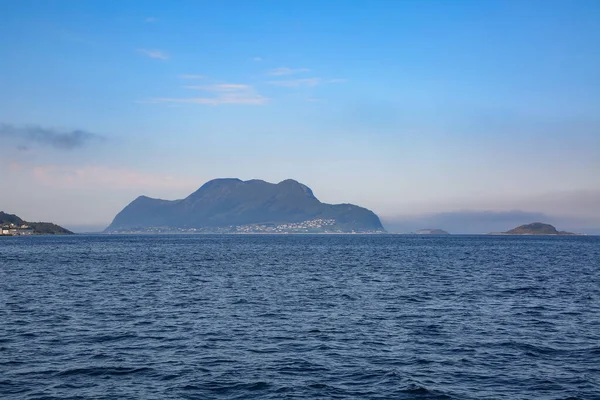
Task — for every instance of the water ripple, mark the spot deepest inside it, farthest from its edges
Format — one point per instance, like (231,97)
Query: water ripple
(299,317)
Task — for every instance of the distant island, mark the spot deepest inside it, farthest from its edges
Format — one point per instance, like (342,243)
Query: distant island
(11,225)
(536,228)
(431,232)
(236,206)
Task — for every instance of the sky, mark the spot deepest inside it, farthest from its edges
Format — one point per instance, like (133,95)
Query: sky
(409,108)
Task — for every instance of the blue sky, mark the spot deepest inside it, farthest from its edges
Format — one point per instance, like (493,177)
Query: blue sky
(405,107)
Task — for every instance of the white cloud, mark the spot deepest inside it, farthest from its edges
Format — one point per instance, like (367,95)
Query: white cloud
(223,87)
(297,82)
(222,93)
(257,59)
(305,82)
(154,54)
(286,71)
(191,76)
(218,100)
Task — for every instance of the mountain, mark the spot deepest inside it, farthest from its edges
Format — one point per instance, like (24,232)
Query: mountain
(233,205)
(36,228)
(431,232)
(536,228)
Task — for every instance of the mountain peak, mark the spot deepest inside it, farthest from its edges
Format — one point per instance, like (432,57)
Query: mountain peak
(293,184)
(221,182)
(289,182)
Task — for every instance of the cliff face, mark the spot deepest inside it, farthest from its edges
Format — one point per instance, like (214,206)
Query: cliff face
(231,202)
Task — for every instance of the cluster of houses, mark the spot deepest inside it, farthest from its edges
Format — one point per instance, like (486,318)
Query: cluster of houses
(317,225)
(15,230)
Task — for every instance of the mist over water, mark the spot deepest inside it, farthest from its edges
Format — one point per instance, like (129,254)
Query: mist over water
(300,316)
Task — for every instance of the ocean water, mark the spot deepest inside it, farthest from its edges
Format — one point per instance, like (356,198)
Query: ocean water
(299,317)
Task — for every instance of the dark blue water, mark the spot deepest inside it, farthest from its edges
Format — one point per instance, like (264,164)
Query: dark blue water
(300,317)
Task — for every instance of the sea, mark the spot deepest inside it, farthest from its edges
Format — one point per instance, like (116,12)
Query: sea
(299,317)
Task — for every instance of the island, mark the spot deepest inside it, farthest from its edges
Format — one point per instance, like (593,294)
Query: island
(431,232)
(11,225)
(231,205)
(536,228)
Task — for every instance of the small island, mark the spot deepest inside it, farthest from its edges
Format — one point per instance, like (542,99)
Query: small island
(11,225)
(536,228)
(431,232)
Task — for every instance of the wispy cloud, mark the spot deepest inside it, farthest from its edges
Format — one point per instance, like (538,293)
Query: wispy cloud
(106,177)
(222,87)
(15,166)
(215,101)
(286,71)
(150,19)
(64,140)
(257,59)
(305,82)
(297,82)
(223,93)
(191,76)
(154,54)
